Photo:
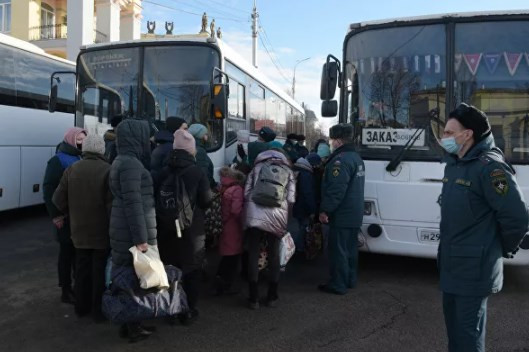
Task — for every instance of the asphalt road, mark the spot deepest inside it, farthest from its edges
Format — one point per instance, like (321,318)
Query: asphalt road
(396,307)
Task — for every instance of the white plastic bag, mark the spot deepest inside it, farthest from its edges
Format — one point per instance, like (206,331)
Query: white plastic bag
(149,268)
(286,249)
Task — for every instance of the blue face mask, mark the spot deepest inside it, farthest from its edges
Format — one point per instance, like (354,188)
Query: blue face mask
(450,145)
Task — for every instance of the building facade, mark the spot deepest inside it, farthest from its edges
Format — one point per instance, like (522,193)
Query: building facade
(60,27)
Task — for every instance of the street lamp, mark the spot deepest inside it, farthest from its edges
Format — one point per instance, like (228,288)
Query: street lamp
(294,77)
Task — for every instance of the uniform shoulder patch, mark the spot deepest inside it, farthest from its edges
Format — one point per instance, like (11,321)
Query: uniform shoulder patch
(497,173)
(499,181)
(335,172)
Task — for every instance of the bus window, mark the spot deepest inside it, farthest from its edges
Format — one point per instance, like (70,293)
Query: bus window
(491,73)
(401,80)
(281,119)
(272,105)
(32,81)
(181,88)
(236,119)
(107,77)
(7,76)
(257,107)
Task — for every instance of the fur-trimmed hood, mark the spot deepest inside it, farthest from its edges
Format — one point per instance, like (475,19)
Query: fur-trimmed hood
(229,176)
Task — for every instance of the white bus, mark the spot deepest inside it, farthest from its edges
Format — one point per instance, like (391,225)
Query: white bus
(29,134)
(400,80)
(153,79)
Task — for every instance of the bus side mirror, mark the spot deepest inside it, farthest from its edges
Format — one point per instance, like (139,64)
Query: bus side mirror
(55,80)
(219,100)
(329,80)
(329,108)
(52,101)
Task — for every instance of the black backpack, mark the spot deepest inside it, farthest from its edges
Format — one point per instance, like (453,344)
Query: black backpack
(172,199)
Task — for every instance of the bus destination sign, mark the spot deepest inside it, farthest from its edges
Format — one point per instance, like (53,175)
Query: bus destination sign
(392,136)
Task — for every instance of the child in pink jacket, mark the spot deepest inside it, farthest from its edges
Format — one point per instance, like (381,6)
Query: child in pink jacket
(231,239)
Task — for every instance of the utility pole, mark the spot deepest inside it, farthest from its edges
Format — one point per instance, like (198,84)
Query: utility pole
(255,15)
(294,77)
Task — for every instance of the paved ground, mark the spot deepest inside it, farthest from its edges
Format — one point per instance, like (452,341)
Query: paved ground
(396,307)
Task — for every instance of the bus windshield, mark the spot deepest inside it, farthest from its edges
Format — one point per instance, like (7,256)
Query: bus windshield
(396,90)
(396,86)
(176,82)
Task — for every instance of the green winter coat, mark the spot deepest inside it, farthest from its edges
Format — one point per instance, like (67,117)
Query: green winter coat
(343,188)
(483,217)
(254,149)
(205,163)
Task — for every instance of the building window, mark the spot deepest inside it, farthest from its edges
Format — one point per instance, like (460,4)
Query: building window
(47,22)
(5,16)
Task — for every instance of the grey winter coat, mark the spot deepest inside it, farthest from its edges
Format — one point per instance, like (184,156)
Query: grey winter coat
(269,219)
(133,218)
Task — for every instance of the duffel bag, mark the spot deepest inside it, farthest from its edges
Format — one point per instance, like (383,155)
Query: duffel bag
(127,302)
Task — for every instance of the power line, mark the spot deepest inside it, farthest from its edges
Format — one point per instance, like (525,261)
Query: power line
(190,12)
(228,6)
(206,7)
(273,61)
(270,44)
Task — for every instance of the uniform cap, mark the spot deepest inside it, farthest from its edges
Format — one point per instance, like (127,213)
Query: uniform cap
(473,119)
(341,131)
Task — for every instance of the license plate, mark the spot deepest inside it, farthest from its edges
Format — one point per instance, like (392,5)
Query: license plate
(429,236)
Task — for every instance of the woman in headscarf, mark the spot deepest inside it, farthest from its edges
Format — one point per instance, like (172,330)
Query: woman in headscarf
(68,152)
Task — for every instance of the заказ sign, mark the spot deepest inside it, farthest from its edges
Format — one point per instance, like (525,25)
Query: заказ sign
(391,136)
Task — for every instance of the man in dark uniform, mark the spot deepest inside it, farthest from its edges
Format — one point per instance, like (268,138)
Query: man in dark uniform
(265,136)
(290,147)
(300,147)
(483,217)
(342,206)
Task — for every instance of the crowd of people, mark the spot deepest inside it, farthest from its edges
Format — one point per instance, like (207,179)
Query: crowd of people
(107,195)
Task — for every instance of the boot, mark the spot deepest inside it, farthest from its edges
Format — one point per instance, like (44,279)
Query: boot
(67,295)
(253,299)
(272,297)
(136,333)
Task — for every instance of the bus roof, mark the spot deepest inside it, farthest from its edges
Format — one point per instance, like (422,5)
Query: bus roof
(405,20)
(23,45)
(226,51)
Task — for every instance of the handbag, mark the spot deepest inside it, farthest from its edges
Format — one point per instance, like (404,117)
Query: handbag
(149,267)
(286,249)
(313,240)
(213,222)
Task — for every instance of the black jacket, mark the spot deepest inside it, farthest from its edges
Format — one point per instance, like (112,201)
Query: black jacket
(52,178)
(133,218)
(164,140)
(186,252)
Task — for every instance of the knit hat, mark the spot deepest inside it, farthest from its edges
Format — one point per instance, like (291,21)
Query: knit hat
(314,159)
(341,131)
(185,141)
(173,123)
(94,143)
(267,134)
(473,119)
(275,144)
(243,136)
(198,130)
(71,135)
(323,150)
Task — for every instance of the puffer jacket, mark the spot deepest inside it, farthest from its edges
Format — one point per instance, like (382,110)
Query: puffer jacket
(133,218)
(164,140)
(186,252)
(305,205)
(269,219)
(232,203)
